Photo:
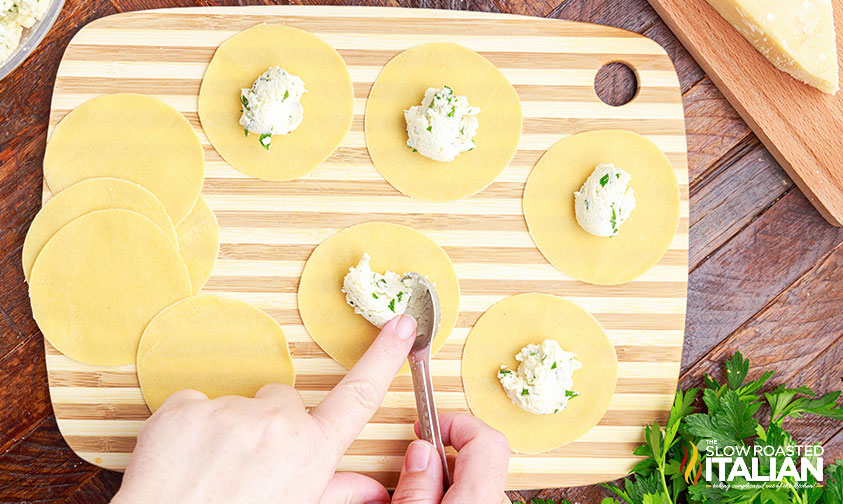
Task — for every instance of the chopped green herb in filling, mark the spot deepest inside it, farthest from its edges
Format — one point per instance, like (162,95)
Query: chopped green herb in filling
(392,306)
(604,180)
(265,141)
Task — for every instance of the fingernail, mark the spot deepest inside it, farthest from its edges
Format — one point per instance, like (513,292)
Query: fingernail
(418,456)
(406,327)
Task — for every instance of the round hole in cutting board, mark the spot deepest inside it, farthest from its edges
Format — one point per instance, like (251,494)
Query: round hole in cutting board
(616,84)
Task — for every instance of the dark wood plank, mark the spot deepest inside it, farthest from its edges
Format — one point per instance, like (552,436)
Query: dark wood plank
(729,201)
(23,393)
(786,336)
(712,126)
(99,489)
(42,468)
(750,270)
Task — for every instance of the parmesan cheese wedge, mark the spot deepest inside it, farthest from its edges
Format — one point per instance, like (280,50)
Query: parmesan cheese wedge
(797,36)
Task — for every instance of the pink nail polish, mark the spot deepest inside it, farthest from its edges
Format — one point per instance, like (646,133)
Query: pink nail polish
(418,456)
(406,327)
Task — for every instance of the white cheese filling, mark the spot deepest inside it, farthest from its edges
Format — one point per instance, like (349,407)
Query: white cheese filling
(543,382)
(443,126)
(15,16)
(378,298)
(272,106)
(604,201)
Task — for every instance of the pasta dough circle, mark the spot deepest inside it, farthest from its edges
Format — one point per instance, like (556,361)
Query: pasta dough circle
(402,83)
(199,243)
(86,196)
(133,137)
(501,333)
(328,103)
(214,345)
(643,238)
(99,280)
(340,332)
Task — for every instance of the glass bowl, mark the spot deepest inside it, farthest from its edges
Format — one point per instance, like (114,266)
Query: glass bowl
(31,38)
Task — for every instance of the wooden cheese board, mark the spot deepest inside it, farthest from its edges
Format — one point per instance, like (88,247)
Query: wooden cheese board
(268,229)
(800,126)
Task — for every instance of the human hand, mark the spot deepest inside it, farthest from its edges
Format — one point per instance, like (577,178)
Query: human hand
(266,449)
(480,469)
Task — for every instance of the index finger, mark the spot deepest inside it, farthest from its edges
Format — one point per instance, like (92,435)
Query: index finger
(347,408)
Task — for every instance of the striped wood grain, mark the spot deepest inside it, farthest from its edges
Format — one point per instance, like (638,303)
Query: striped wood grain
(268,229)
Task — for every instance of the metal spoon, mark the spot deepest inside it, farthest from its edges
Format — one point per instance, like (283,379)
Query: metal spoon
(424,306)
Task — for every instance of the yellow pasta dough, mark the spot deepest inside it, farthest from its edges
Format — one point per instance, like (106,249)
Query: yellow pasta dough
(643,238)
(328,103)
(402,83)
(87,196)
(99,280)
(199,243)
(344,335)
(133,137)
(501,333)
(215,345)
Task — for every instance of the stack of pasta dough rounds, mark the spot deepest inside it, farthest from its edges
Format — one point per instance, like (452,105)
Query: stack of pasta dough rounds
(116,256)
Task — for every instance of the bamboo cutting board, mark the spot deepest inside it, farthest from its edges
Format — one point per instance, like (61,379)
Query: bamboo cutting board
(268,229)
(800,126)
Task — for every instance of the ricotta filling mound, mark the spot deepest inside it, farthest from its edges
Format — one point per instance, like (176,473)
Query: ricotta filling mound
(272,106)
(543,382)
(443,126)
(604,201)
(15,16)
(377,297)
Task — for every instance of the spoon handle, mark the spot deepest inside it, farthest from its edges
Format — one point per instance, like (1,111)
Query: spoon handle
(428,418)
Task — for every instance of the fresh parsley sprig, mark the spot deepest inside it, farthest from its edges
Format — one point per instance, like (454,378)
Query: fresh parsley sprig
(732,417)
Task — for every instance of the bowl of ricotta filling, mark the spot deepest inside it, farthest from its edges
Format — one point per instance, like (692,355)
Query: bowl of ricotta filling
(443,126)
(23,25)
(543,383)
(605,201)
(272,106)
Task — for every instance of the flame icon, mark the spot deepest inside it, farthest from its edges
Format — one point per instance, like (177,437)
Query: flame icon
(688,466)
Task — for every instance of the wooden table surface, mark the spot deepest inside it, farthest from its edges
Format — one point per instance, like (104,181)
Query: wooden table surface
(765,268)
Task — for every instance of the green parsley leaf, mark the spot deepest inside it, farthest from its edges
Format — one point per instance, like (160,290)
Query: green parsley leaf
(430,128)
(375,296)
(245,102)
(245,132)
(784,403)
(525,392)
(504,372)
(449,89)
(286,94)
(604,180)
(570,394)
(553,366)
(265,140)
(614,220)
(399,296)
(392,305)
(451,113)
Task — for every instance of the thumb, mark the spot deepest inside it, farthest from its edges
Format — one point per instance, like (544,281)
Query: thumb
(353,488)
(421,476)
